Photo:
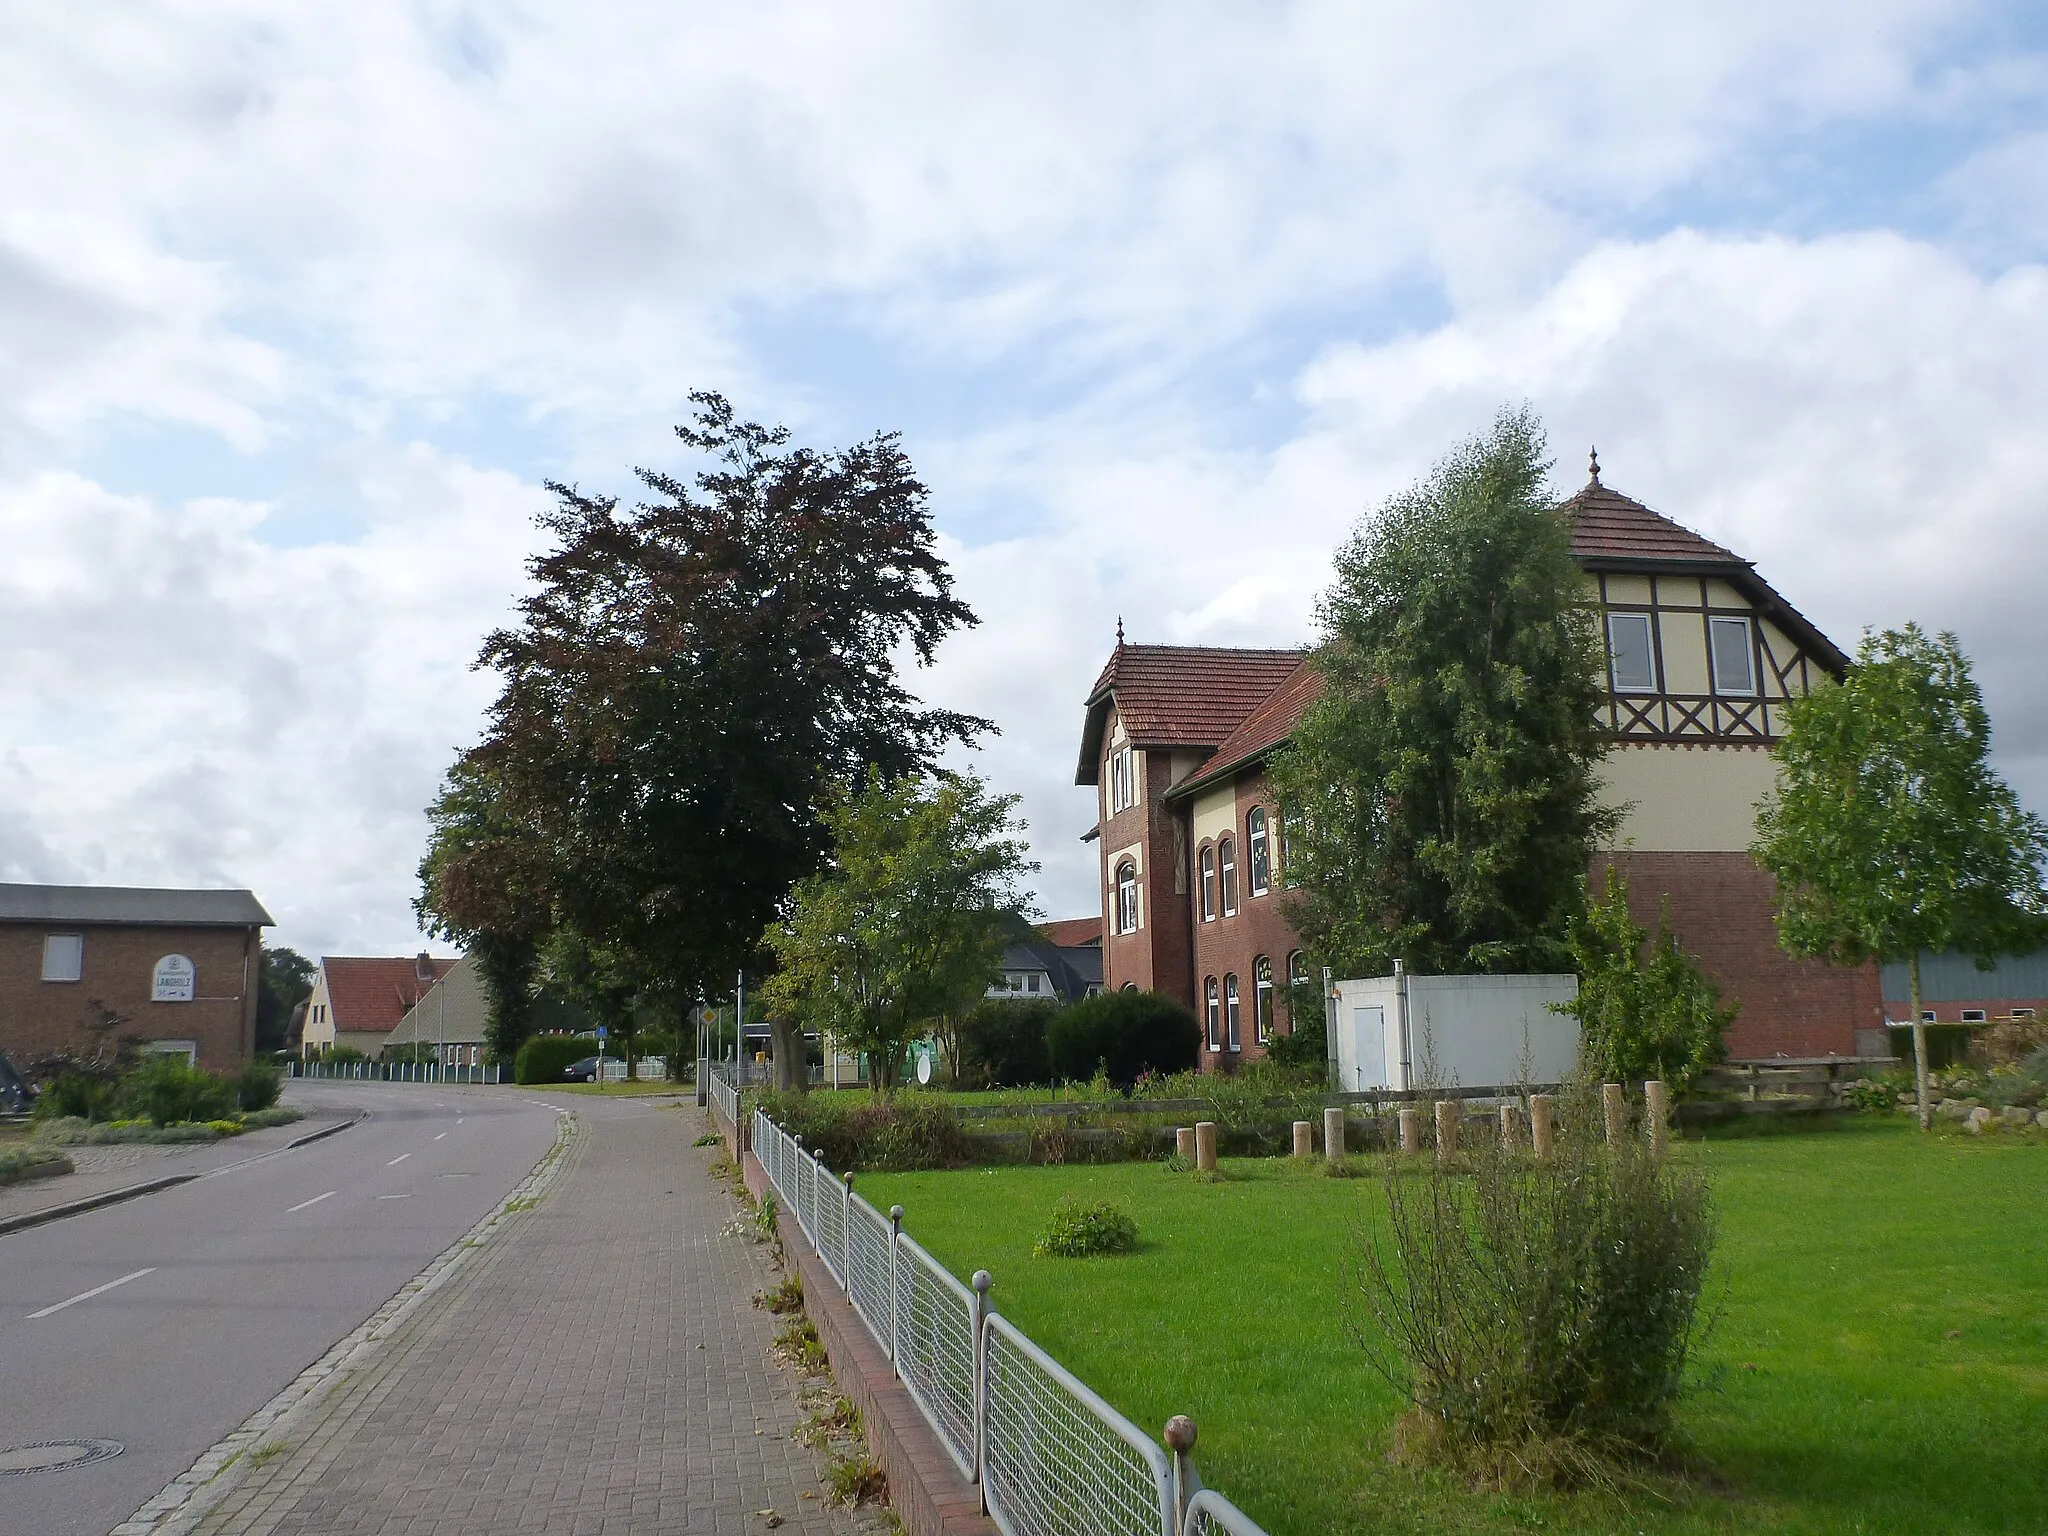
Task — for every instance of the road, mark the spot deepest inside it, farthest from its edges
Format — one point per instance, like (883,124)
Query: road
(164,1322)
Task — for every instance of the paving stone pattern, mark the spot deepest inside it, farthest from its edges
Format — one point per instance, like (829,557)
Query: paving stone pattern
(597,1370)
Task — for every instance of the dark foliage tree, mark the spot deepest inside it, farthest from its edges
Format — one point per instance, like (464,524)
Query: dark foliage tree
(1440,795)
(693,673)
(284,980)
(1890,832)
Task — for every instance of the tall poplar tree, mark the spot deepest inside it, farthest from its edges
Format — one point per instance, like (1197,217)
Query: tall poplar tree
(1890,833)
(1440,796)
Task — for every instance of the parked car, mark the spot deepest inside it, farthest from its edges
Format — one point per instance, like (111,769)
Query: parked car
(584,1071)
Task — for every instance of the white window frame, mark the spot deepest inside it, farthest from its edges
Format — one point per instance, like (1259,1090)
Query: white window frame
(1975,1016)
(1262,999)
(54,971)
(1128,916)
(2025,1013)
(1226,873)
(1649,685)
(1233,1014)
(1749,689)
(1212,1011)
(1205,878)
(1123,779)
(1258,853)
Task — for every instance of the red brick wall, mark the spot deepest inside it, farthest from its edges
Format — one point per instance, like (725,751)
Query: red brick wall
(1155,958)
(1229,946)
(39,1017)
(1721,910)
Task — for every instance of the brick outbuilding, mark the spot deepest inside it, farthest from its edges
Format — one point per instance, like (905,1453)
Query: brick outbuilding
(90,971)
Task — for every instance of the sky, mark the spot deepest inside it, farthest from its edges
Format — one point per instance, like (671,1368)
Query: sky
(299,306)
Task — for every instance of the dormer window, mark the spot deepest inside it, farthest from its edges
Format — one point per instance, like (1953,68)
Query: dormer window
(1631,661)
(1734,656)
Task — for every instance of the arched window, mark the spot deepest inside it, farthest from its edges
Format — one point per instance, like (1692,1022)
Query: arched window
(1226,856)
(1129,986)
(1262,999)
(1127,897)
(1212,1014)
(1259,876)
(1208,882)
(1230,1014)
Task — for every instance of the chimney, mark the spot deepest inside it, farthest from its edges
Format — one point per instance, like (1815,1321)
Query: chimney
(423,968)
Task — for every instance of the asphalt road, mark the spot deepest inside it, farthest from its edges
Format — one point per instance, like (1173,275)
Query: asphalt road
(164,1322)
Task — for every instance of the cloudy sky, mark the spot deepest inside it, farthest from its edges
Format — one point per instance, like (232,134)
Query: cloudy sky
(299,305)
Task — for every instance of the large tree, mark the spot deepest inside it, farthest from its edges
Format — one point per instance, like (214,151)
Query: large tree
(1440,796)
(905,928)
(284,980)
(693,673)
(1890,833)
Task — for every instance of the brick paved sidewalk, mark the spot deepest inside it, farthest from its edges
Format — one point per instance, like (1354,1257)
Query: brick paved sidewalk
(598,1369)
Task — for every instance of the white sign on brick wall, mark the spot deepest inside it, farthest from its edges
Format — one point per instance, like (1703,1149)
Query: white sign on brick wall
(174,981)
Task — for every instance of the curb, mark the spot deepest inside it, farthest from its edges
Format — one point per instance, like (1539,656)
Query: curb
(79,1207)
(92,1202)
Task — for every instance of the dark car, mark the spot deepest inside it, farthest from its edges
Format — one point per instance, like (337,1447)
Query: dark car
(583,1071)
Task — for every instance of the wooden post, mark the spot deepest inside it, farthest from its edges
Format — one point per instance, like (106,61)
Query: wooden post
(1304,1139)
(1447,1127)
(1541,1131)
(1205,1146)
(1333,1134)
(1510,1128)
(1184,1141)
(1614,1105)
(1656,1110)
(1411,1131)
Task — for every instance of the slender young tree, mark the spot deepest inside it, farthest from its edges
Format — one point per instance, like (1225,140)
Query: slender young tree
(905,928)
(1440,794)
(1890,833)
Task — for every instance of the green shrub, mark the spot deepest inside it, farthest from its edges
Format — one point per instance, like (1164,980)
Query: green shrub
(544,1058)
(15,1162)
(1539,1316)
(226,1127)
(1125,1034)
(1870,1093)
(855,1133)
(1002,1043)
(1305,1047)
(258,1084)
(1080,1229)
(75,1096)
(1641,1015)
(168,1092)
(277,1114)
(342,1055)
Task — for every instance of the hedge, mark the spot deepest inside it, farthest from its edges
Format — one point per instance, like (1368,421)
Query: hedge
(544,1058)
(1125,1034)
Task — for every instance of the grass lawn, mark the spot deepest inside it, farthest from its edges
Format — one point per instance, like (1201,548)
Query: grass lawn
(1832,1396)
(624,1090)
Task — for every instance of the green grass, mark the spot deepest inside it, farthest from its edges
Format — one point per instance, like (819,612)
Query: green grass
(636,1089)
(1831,1397)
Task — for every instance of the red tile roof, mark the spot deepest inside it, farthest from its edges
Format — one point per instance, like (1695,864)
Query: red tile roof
(374,993)
(1271,723)
(1179,695)
(1607,525)
(1072,931)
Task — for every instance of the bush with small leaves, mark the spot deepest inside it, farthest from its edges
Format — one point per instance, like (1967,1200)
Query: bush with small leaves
(1080,1229)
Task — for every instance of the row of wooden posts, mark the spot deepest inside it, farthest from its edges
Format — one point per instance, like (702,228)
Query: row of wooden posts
(1197,1142)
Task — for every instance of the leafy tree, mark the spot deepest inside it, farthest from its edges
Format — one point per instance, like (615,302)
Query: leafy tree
(1306,1045)
(1890,833)
(284,979)
(484,884)
(906,926)
(1440,793)
(692,673)
(1641,1015)
(1001,1043)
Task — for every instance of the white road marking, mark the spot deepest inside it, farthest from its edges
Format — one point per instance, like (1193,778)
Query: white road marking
(98,1290)
(314,1201)
(442,1137)
(394,1197)
(398,1159)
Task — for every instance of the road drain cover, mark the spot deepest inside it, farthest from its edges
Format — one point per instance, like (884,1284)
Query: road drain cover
(55,1456)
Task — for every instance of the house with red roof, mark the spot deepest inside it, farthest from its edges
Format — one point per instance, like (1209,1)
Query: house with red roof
(357,1001)
(1702,656)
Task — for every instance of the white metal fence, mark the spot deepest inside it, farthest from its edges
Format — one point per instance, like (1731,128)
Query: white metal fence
(1049,1456)
(395,1071)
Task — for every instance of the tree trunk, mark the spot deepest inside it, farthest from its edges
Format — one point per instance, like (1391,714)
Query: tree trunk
(1919,1041)
(790,1076)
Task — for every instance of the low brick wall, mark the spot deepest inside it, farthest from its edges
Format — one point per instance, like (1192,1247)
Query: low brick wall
(926,1489)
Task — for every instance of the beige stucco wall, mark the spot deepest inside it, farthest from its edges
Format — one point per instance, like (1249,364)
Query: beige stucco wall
(1214,811)
(318,1033)
(1686,799)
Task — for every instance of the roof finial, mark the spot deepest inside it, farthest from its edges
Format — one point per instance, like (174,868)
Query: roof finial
(1593,465)
(1119,631)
